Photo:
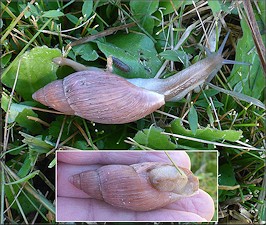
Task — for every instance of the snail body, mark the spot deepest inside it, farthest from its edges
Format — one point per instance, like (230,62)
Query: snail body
(106,98)
(139,187)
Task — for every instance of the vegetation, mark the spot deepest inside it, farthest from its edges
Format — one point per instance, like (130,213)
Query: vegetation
(228,116)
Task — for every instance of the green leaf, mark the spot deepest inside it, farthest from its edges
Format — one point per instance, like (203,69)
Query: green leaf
(142,11)
(210,115)
(33,10)
(26,167)
(52,164)
(207,133)
(53,14)
(86,51)
(81,144)
(193,119)
(176,55)
(36,70)
(147,23)
(14,111)
(153,138)
(245,79)
(24,179)
(142,8)
(4,101)
(203,103)
(5,60)
(227,175)
(215,6)
(168,7)
(36,143)
(87,8)
(27,13)
(73,19)
(19,113)
(136,50)
(30,125)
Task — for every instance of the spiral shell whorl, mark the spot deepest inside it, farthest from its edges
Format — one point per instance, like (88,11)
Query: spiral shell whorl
(53,95)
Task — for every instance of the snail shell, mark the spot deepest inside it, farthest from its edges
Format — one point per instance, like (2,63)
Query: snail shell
(101,97)
(139,187)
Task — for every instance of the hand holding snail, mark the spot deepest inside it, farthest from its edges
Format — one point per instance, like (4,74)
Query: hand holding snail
(70,193)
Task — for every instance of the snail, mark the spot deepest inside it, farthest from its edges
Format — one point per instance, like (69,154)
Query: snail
(106,98)
(139,187)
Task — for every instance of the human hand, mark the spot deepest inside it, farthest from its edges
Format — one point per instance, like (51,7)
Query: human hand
(75,205)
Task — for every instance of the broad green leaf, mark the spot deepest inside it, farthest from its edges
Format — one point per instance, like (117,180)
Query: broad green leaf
(203,103)
(153,138)
(245,79)
(30,125)
(208,93)
(142,8)
(142,11)
(86,51)
(136,50)
(52,14)
(36,143)
(36,70)
(147,23)
(87,8)
(193,119)
(4,101)
(178,56)
(14,111)
(168,7)
(215,6)
(73,19)
(227,175)
(19,113)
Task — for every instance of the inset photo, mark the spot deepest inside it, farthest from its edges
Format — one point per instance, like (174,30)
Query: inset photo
(143,186)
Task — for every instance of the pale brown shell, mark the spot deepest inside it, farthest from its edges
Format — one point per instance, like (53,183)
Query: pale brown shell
(132,187)
(101,97)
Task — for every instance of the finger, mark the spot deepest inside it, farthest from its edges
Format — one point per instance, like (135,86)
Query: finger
(118,157)
(201,204)
(74,209)
(169,215)
(70,209)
